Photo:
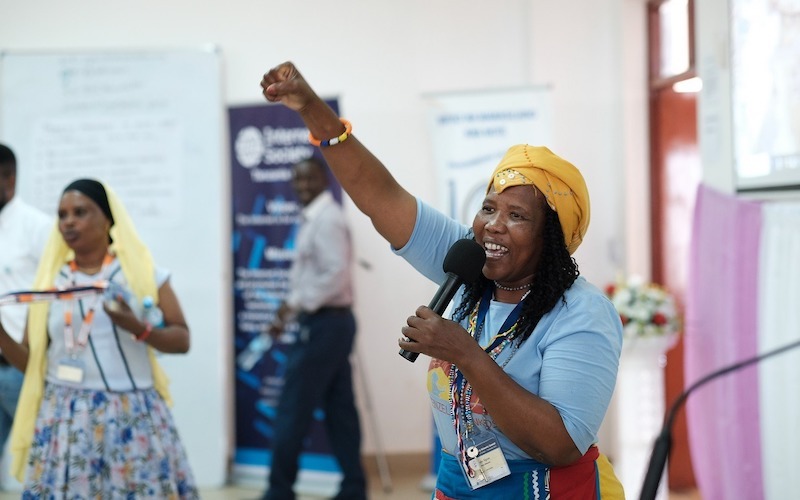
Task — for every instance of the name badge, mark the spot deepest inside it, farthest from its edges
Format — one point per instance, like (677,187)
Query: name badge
(486,459)
(70,370)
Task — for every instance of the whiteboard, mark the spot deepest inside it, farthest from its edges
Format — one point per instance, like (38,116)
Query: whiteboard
(151,125)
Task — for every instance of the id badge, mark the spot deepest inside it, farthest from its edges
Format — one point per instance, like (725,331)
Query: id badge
(70,370)
(486,459)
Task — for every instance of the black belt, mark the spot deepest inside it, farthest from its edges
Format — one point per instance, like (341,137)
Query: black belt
(4,361)
(331,309)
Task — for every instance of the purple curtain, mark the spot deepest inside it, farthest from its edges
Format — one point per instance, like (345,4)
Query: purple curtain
(721,329)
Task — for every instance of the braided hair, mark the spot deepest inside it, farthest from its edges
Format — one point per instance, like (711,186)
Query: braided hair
(555,273)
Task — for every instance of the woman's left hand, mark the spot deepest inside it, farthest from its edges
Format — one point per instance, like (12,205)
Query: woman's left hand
(439,338)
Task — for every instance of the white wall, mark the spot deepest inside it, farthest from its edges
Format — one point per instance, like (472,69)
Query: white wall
(379,58)
(636,142)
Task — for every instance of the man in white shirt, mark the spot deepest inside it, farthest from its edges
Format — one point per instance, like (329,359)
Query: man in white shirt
(318,372)
(23,233)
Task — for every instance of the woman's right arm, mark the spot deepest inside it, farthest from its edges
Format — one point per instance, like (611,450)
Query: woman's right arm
(15,353)
(392,209)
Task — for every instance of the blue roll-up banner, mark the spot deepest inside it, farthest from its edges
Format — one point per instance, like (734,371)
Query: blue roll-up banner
(266,140)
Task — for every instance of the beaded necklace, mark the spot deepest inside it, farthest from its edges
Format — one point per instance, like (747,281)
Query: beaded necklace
(512,288)
(460,388)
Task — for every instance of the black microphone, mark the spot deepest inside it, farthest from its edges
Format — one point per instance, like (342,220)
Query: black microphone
(663,442)
(463,264)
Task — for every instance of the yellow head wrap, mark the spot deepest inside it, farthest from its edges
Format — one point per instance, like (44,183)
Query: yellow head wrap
(137,267)
(560,182)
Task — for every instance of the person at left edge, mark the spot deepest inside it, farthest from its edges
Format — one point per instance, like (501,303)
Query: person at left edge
(93,418)
(318,372)
(23,234)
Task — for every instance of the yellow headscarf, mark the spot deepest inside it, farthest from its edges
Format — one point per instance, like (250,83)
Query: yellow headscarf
(560,182)
(137,267)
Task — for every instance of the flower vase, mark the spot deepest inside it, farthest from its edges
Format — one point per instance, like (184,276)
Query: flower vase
(639,406)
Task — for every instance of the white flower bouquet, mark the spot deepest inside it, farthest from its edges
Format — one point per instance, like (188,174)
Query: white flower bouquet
(645,309)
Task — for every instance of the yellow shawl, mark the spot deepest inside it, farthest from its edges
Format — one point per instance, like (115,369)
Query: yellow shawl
(137,267)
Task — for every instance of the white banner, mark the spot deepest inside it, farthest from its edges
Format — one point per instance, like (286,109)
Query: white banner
(779,325)
(471,132)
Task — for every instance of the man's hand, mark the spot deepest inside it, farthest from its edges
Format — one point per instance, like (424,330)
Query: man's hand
(282,315)
(275,328)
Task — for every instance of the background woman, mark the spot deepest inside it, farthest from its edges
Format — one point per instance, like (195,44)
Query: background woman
(92,420)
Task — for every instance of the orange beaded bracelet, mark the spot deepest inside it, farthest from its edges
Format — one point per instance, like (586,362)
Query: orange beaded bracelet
(348,128)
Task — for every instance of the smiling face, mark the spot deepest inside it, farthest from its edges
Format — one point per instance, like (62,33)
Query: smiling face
(510,226)
(82,223)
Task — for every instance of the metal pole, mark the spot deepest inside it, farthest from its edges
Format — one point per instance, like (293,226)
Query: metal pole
(380,455)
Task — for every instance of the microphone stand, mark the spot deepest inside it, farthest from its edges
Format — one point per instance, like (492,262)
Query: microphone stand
(663,442)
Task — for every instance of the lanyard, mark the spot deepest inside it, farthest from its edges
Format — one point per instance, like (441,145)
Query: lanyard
(49,295)
(476,323)
(83,334)
(460,388)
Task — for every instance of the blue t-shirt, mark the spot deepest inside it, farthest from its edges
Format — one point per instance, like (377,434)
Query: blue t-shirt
(570,359)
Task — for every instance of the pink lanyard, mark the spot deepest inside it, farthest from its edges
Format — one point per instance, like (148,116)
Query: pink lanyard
(83,334)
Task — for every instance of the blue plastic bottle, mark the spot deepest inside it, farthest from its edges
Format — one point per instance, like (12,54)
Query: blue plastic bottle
(152,314)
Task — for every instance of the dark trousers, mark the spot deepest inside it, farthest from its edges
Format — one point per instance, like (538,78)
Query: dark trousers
(10,386)
(318,375)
